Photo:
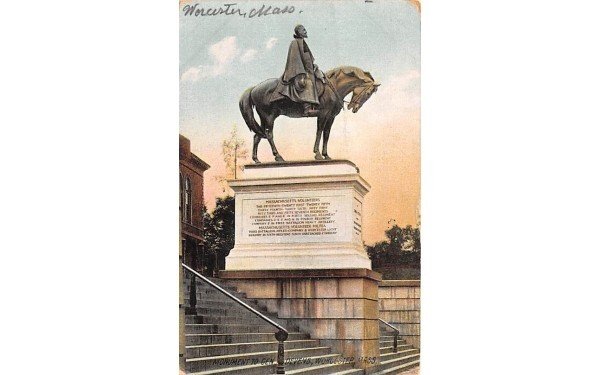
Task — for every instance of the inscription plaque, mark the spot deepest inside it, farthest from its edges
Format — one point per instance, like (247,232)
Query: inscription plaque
(294,219)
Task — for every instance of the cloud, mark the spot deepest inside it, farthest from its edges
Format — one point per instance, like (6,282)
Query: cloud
(270,43)
(222,55)
(194,73)
(225,50)
(248,55)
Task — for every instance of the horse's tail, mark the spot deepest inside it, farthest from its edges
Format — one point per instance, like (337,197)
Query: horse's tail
(246,108)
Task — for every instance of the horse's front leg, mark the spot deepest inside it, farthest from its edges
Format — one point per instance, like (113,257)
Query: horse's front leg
(326,131)
(257,139)
(320,122)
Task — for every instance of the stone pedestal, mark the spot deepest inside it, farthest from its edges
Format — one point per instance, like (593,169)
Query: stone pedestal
(336,306)
(299,215)
(299,252)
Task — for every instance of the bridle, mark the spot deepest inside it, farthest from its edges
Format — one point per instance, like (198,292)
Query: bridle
(354,99)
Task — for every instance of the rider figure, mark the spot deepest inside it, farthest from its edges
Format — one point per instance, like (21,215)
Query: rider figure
(299,77)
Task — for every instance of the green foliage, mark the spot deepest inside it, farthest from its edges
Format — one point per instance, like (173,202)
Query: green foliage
(400,255)
(219,229)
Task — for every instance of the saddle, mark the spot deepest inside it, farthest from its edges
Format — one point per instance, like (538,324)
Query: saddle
(277,95)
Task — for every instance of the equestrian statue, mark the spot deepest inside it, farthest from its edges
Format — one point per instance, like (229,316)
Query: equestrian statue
(304,91)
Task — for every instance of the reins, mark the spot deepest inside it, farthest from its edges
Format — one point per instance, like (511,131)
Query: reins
(354,100)
(341,101)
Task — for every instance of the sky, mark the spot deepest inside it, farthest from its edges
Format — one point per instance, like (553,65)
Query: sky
(223,55)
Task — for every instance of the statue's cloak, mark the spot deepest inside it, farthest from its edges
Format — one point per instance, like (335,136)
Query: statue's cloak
(299,61)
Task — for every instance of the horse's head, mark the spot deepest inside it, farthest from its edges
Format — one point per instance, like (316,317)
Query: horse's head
(361,94)
(350,79)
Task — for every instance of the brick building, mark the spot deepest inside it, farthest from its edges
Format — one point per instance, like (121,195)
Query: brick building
(191,198)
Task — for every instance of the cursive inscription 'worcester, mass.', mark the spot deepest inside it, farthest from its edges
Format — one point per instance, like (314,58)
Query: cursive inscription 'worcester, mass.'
(231,9)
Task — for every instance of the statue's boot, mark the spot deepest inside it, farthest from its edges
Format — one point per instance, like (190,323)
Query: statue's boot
(310,110)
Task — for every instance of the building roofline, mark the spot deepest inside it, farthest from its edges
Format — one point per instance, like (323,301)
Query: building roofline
(201,163)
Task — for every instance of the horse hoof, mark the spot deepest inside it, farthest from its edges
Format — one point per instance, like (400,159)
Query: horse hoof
(256,161)
(318,157)
(279,158)
(327,157)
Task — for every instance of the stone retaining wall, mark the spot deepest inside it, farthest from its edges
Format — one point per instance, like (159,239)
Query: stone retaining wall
(400,305)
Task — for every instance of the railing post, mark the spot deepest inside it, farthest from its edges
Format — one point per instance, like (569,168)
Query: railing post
(396,334)
(191,309)
(281,336)
(193,300)
(193,297)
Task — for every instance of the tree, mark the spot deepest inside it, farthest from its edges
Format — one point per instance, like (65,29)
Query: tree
(219,226)
(219,232)
(400,255)
(234,153)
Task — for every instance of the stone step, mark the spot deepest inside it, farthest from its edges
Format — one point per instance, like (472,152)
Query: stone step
(258,369)
(236,310)
(386,338)
(398,369)
(227,307)
(262,369)
(297,362)
(400,354)
(187,276)
(209,319)
(222,301)
(246,317)
(229,328)
(230,338)
(355,371)
(212,301)
(390,349)
(328,369)
(212,350)
(391,360)
(235,360)
(212,293)
(387,342)
(200,285)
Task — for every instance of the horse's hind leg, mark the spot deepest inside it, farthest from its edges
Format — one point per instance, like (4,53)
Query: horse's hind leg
(257,139)
(320,123)
(267,123)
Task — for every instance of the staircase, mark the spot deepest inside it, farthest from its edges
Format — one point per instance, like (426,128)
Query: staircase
(406,358)
(224,338)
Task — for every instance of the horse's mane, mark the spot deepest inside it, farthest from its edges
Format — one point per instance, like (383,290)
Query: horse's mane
(351,71)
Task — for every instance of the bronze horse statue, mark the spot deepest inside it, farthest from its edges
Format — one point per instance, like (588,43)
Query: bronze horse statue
(340,82)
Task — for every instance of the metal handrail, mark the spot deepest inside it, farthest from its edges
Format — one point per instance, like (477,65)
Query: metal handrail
(396,334)
(281,335)
(191,225)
